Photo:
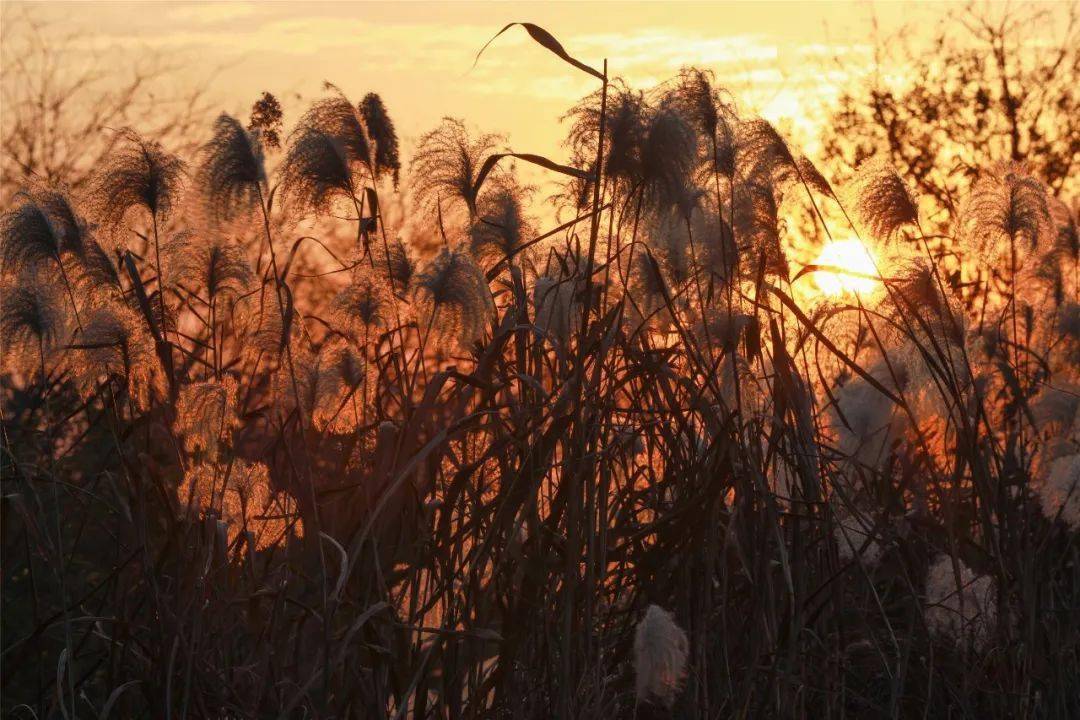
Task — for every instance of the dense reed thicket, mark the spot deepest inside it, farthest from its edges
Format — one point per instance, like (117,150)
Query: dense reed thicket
(437,461)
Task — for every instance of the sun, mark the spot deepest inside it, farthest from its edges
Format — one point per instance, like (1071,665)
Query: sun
(851,256)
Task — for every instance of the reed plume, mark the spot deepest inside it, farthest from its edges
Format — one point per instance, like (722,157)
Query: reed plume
(364,306)
(380,127)
(668,156)
(116,344)
(1059,490)
(94,271)
(453,297)
(209,263)
(446,164)
(29,237)
(720,254)
(960,605)
(808,173)
(339,400)
(500,226)
(401,267)
(916,293)
(762,155)
(32,319)
(866,420)
(660,654)
(316,172)
(856,539)
(556,307)
(73,233)
(881,202)
(756,224)
(337,117)
(697,98)
(1007,211)
(231,174)
(624,122)
(206,413)
(139,175)
(266,119)
(269,325)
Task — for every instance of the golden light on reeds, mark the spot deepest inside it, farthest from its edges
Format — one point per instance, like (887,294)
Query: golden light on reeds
(357,430)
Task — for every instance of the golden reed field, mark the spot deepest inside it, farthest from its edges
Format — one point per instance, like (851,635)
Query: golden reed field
(302,420)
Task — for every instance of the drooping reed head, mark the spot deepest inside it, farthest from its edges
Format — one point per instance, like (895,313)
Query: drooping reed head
(719,253)
(139,174)
(1066,222)
(668,157)
(208,263)
(808,173)
(882,204)
(339,406)
(1059,490)
(96,273)
(231,174)
(397,261)
(755,222)
(652,284)
(340,119)
(1056,409)
(1006,211)
(447,162)
(960,605)
(670,234)
(331,387)
(556,307)
(44,226)
(500,225)
(919,303)
(624,131)
(696,95)
(660,656)
(856,539)
(866,421)
(28,237)
(71,229)
(267,325)
(32,318)
(206,413)
(316,172)
(382,133)
(365,306)
(115,344)
(762,154)
(453,297)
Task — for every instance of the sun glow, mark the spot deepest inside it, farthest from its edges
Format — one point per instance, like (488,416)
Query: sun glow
(859,272)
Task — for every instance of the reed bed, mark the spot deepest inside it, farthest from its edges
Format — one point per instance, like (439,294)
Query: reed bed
(277,444)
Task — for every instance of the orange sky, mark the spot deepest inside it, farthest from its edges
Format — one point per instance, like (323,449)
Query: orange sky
(786,60)
(418,55)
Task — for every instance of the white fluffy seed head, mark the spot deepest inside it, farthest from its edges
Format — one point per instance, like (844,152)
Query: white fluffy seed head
(960,604)
(660,652)
(1059,490)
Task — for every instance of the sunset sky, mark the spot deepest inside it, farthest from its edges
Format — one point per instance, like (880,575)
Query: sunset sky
(419,55)
(786,61)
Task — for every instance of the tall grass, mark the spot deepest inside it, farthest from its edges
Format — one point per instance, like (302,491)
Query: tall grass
(628,467)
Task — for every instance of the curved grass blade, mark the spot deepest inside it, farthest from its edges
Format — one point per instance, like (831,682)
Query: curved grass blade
(548,40)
